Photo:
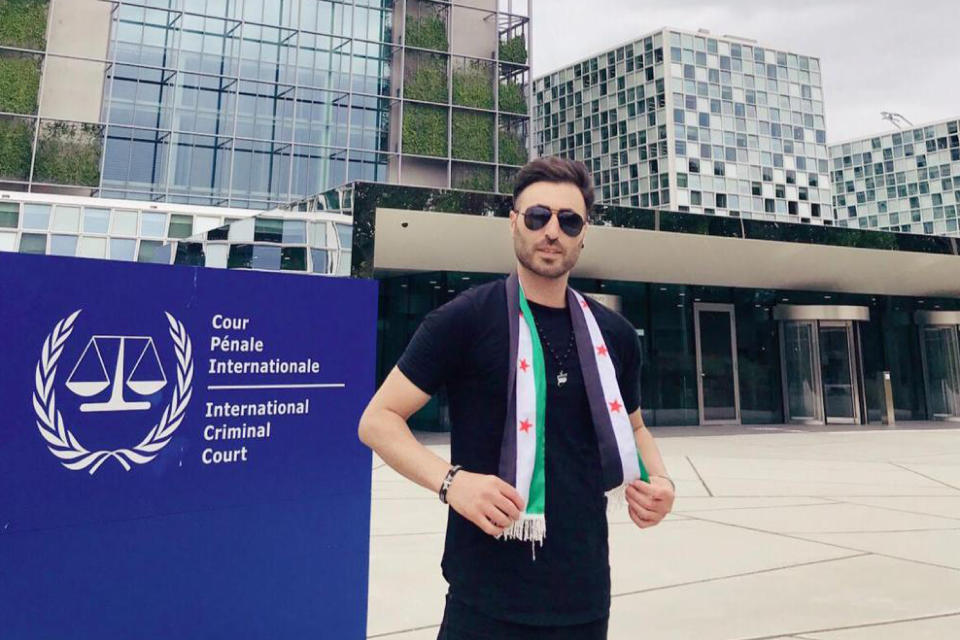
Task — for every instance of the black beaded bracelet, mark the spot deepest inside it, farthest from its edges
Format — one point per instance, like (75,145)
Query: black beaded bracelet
(446,482)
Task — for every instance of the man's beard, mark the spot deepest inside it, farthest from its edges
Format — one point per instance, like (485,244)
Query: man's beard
(526,254)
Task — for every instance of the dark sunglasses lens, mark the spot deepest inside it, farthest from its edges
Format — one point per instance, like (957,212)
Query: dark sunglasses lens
(570,222)
(536,217)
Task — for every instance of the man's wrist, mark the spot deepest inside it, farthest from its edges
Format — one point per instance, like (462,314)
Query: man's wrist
(673,485)
(447,481)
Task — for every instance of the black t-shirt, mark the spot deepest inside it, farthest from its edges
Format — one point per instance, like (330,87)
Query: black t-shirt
(464,345)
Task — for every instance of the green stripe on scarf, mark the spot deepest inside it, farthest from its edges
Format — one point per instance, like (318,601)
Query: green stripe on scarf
(537,498)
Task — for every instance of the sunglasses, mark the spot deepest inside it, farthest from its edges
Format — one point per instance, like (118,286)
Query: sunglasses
(537,217)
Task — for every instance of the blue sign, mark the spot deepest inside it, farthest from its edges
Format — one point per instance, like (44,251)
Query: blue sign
(178,451)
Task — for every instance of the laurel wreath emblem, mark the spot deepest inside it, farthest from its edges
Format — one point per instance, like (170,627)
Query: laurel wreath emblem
(62,443)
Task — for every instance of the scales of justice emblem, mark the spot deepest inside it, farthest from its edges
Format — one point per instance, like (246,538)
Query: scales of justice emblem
(117,363)
(90,376)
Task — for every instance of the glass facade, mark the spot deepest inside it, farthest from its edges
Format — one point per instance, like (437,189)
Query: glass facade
(663,316)
(256,103)
(905,181)
(692,122)
(772,367)
(247,104)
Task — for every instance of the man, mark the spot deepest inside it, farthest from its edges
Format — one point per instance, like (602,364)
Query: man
(526,552)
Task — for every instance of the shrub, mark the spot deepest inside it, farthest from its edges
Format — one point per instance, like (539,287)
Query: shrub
(427,32)
(473,178)
(426,78)
(512,148)
(514,50)
(472,135)
(68,153)
(512,98)
(16,137)
(424,130)
(23,23)
(19,83)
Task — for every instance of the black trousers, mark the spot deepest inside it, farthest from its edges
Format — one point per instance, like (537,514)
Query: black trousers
(461,622)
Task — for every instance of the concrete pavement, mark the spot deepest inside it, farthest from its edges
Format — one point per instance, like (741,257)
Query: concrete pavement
(778,532)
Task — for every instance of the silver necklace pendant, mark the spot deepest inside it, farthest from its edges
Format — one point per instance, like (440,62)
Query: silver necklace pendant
(561,378)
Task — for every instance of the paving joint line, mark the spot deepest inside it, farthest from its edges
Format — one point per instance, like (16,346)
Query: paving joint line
(410,630)
(866,625)
(895,509)
(829,544)
(699,477)
(923,475)
(738,575)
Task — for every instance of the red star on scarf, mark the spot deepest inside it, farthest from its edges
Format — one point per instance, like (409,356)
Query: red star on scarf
(602,350)
(615,406)
(523,365)
(525,426)
(583,303)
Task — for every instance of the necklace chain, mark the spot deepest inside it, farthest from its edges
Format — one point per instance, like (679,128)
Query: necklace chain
(560,362)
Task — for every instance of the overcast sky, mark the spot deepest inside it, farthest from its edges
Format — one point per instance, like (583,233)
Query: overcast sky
(876,55)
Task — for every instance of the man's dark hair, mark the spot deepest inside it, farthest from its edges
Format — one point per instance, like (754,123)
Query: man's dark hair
(555,169)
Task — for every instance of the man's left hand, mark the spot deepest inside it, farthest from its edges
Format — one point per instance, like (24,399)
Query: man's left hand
(649,502)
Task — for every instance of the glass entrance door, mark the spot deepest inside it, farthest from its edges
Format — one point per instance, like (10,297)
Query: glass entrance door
(838,372)
(717,387)
(941,371)
(799,354)
(819,371)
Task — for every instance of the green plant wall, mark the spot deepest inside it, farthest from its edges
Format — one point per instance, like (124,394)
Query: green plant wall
(473,85)
(426,77)
(472,135)
(474,178)
(514,50)
(512,98)
(16,137)
(68,153)
(427,32)
(512,148)
(424,130)
(19,83)
(508,177)
(23,23)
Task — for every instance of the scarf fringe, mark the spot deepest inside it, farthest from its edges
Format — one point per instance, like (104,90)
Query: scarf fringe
(527,529)
(616,500)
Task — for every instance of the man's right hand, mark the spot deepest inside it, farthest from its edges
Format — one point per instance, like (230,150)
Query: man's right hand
(485,500)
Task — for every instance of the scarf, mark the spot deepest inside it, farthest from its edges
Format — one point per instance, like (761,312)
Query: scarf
(522,452)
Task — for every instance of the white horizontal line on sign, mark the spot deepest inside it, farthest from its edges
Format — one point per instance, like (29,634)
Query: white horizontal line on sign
(226,387)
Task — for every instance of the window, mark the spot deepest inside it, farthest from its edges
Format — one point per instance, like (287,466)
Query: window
(125,223)
(33,243)
(181,226)
(153,225)
(9,215)
(66,219)
(96,220)
(92,248)
(63,245)
(122,249)
(36,216)
(150,250)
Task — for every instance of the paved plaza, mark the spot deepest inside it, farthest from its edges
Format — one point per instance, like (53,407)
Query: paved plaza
(777,532)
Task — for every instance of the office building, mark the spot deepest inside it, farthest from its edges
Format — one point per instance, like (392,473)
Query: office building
(133,230)
(907,180)
(694,122)
(252,104)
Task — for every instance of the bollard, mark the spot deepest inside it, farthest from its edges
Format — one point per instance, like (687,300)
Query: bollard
(886,398)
